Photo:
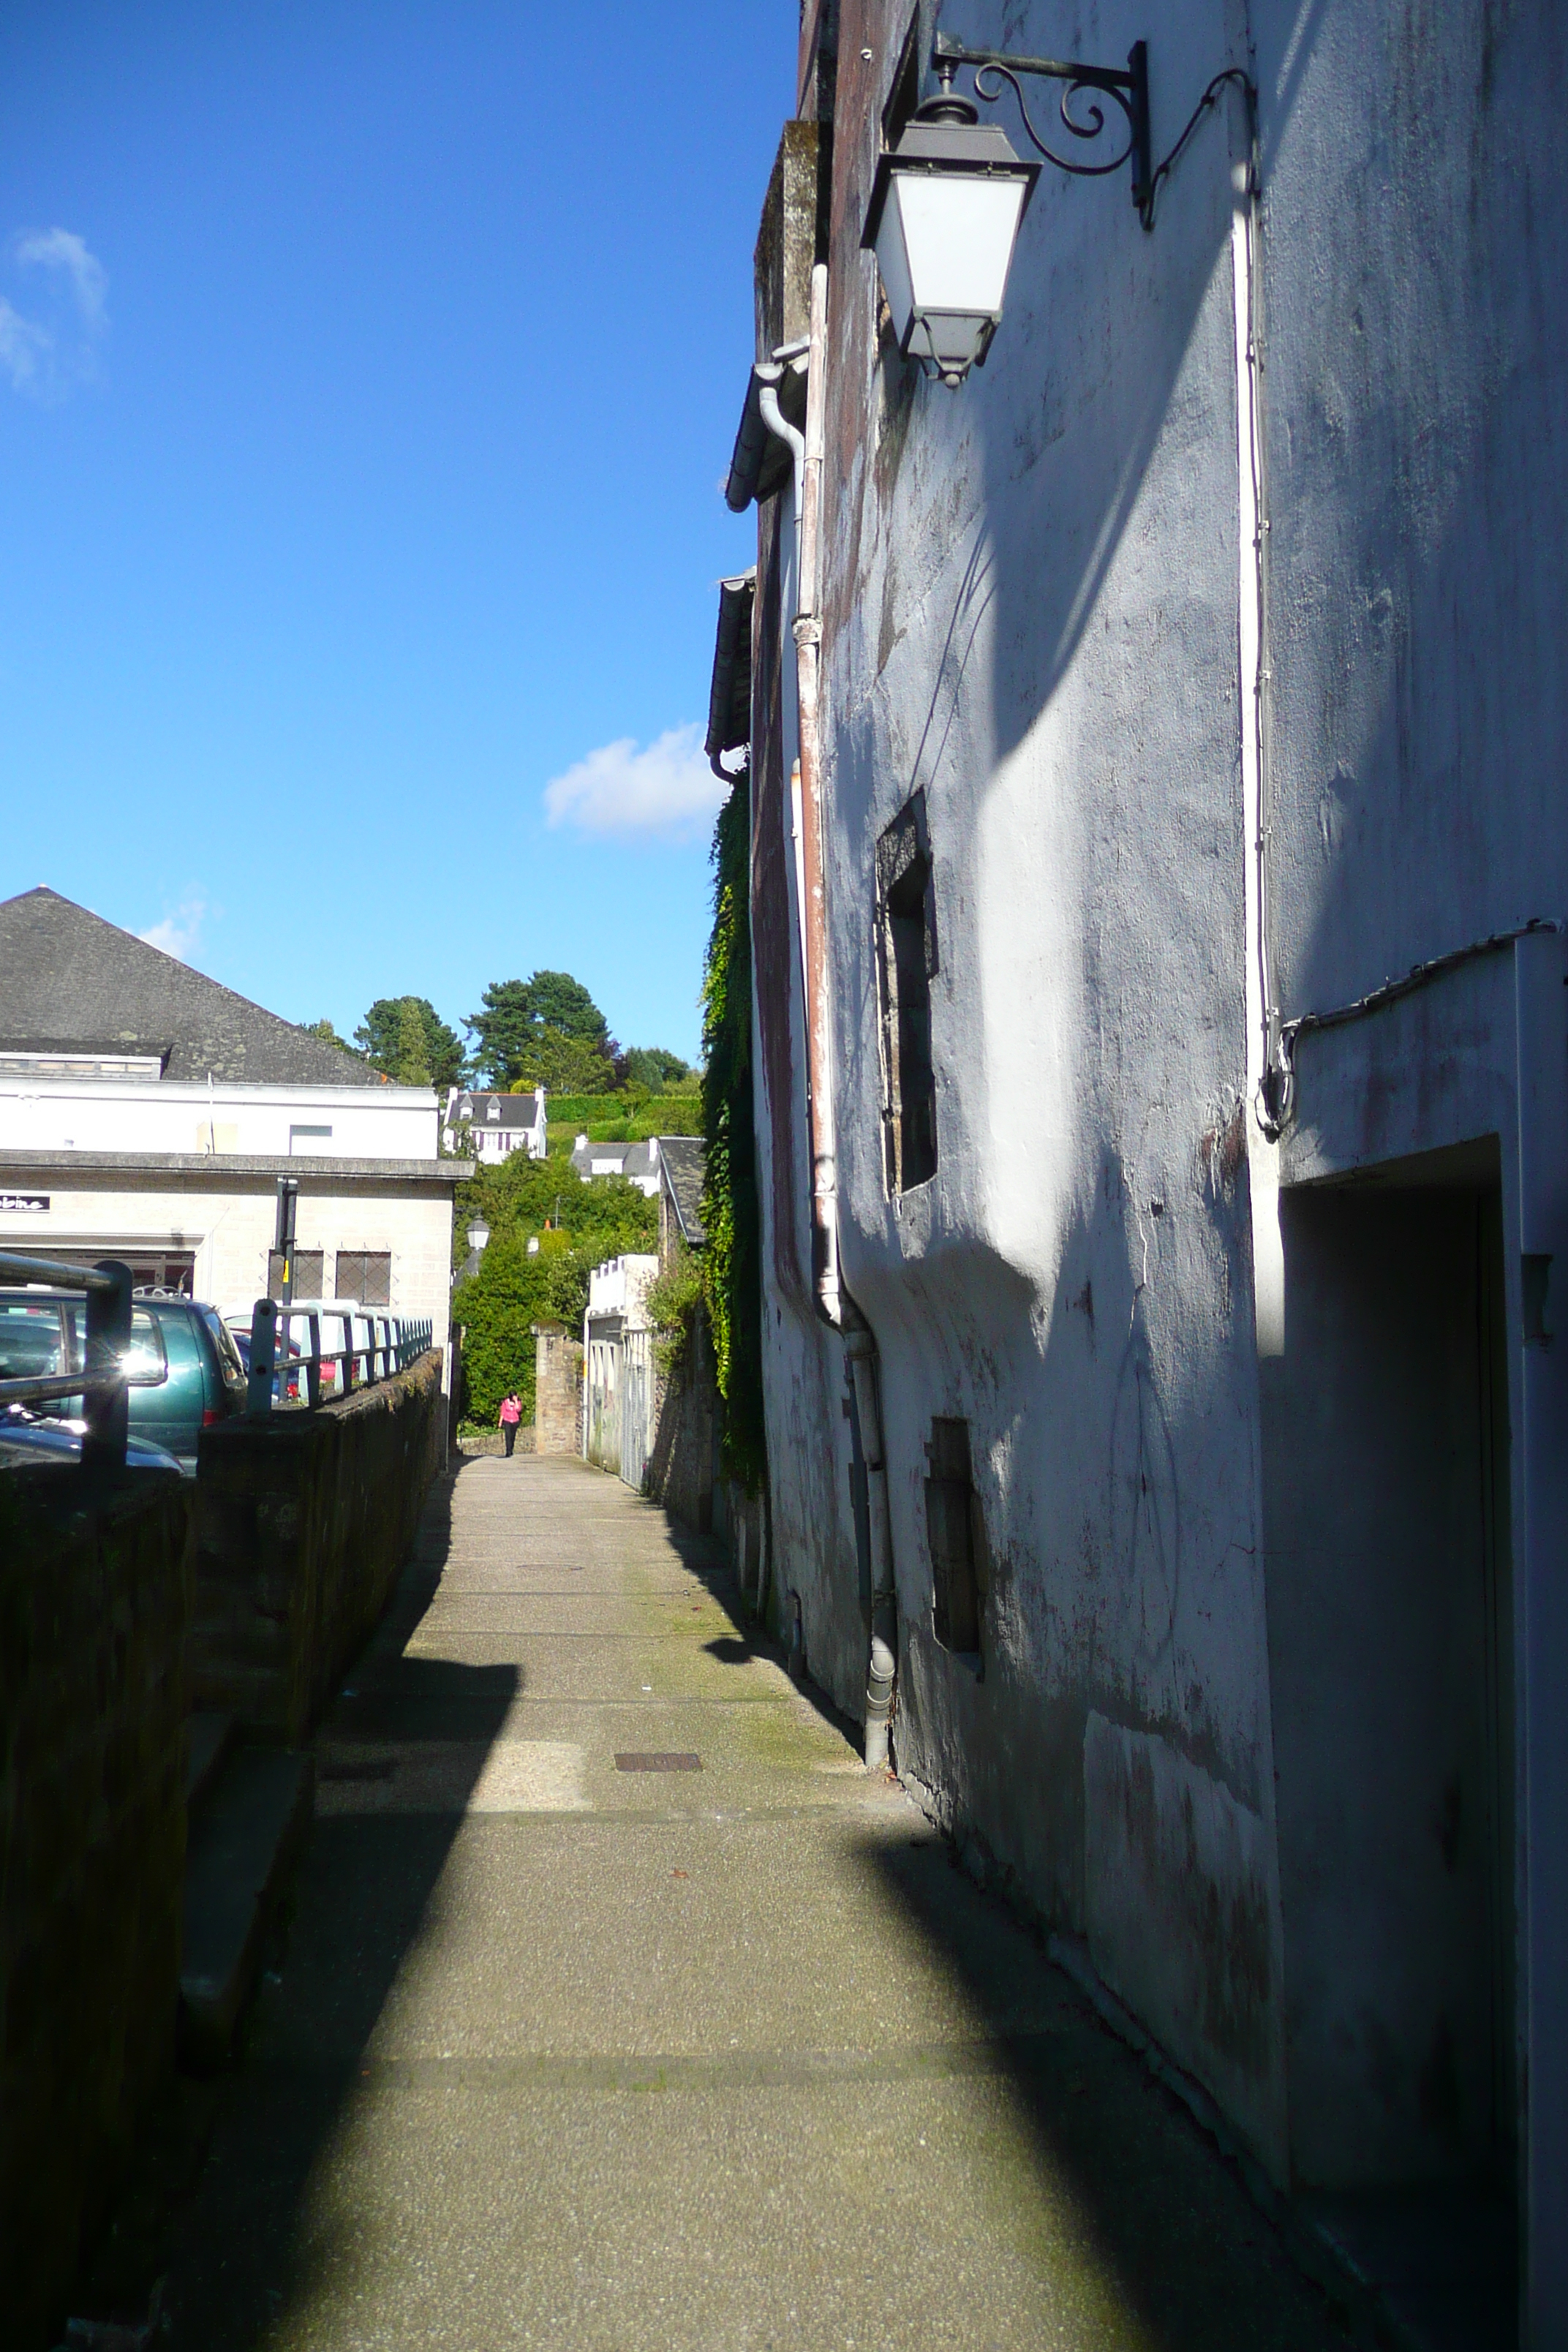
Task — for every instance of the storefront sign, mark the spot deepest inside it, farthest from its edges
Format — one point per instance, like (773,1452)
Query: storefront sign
(23,1205)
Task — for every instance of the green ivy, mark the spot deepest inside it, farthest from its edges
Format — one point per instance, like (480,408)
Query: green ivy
(733,1259)
(671,1305)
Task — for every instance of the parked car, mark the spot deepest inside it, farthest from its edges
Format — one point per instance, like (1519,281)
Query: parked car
(24,1440)
(335,1323)
(204,1379)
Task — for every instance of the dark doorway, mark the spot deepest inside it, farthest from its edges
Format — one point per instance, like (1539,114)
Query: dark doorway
(1389,1625)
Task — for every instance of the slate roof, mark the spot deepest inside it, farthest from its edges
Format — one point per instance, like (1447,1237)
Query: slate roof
(683,1159)
(517,1111)
(631,1159)
(71,983)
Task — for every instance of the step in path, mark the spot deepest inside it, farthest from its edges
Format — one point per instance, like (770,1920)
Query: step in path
(619,2008)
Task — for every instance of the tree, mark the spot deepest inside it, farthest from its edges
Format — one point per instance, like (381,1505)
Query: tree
(561,1066)
(578,1227)
(517,1015)
(653,1067)
(407,1040)
(556,1001)
(327,1035)
(501,1028)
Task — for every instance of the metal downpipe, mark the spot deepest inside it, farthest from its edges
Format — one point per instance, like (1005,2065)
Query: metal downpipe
(832,1302)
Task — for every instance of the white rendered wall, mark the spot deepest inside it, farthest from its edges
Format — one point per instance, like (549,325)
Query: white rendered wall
(1036,613)
(229,1228)
(157,1115)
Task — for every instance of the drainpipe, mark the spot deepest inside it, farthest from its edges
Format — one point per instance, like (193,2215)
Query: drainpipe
(833,1304)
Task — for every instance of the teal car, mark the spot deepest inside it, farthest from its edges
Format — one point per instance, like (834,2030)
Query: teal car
(41,1333)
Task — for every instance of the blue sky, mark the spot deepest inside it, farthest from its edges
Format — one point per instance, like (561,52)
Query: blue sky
(367,375)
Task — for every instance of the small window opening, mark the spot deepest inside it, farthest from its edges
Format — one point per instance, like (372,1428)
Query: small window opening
(907,959)
(952,1513)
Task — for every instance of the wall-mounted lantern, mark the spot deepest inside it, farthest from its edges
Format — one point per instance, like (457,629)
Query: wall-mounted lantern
(943,219)
(947,200)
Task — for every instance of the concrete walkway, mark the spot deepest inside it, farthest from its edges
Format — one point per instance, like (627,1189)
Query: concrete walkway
(564,2053)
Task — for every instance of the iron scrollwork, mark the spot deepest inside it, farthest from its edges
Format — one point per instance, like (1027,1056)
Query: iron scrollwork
(1128,91)
(988,81)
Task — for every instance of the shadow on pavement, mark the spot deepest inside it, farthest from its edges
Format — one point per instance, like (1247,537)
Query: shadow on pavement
(247,2243)
(1169,2220)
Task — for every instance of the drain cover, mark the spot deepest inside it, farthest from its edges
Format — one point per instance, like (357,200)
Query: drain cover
(666,1763)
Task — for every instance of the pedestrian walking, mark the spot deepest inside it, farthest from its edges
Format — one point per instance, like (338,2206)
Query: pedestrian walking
(511,1414)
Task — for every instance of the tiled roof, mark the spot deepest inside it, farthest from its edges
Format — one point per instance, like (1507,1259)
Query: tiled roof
(70,982)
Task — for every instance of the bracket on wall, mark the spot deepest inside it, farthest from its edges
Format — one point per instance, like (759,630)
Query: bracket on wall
(1127,90)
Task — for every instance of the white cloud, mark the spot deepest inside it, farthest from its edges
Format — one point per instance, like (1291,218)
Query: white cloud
(45,357)
(24,348)
(61,249)
(668,788)
(178,934)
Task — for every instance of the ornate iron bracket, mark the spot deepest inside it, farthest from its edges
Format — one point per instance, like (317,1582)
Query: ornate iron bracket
(1128,92)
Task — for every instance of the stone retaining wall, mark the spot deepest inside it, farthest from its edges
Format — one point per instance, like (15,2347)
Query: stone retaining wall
(95,1598)
(303,1522)
(557,1390)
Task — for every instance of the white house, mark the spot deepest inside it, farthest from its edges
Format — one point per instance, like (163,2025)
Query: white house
(494,1125)
(637,1163)
(147,1113)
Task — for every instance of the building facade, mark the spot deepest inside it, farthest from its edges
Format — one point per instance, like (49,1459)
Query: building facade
(494,1125)
(148,1113)
(1161,1049)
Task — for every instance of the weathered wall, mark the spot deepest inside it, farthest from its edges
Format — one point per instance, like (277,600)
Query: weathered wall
(682,1463)
(1036,595)
(558,1390)
(95,1603)
(303,1522)
(1032,618)
(1042,608)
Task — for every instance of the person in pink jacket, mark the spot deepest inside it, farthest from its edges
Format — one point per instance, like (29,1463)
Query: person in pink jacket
(511,1414)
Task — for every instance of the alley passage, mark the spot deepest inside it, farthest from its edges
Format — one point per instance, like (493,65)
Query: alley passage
(720,2053)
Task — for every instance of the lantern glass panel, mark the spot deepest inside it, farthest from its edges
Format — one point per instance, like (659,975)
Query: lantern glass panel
(958,233)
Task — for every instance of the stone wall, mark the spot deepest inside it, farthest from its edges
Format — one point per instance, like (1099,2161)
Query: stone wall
(680,1469)
(95,1598)
(558,1390)
(304,1520)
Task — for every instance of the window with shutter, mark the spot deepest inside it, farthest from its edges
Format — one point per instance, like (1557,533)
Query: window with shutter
(365,1276)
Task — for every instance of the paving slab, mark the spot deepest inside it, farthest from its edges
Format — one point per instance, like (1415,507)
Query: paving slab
(568,2053)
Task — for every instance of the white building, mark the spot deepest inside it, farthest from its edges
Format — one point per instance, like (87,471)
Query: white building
(617,1365)
(494,1125)
(1191,669)
(637,1163)
(147,1113)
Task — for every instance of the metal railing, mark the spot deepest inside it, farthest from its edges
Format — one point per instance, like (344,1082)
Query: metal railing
(103,1381)
(384,1345)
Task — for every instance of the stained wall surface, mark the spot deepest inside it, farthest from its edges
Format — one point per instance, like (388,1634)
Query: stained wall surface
(1045,611)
